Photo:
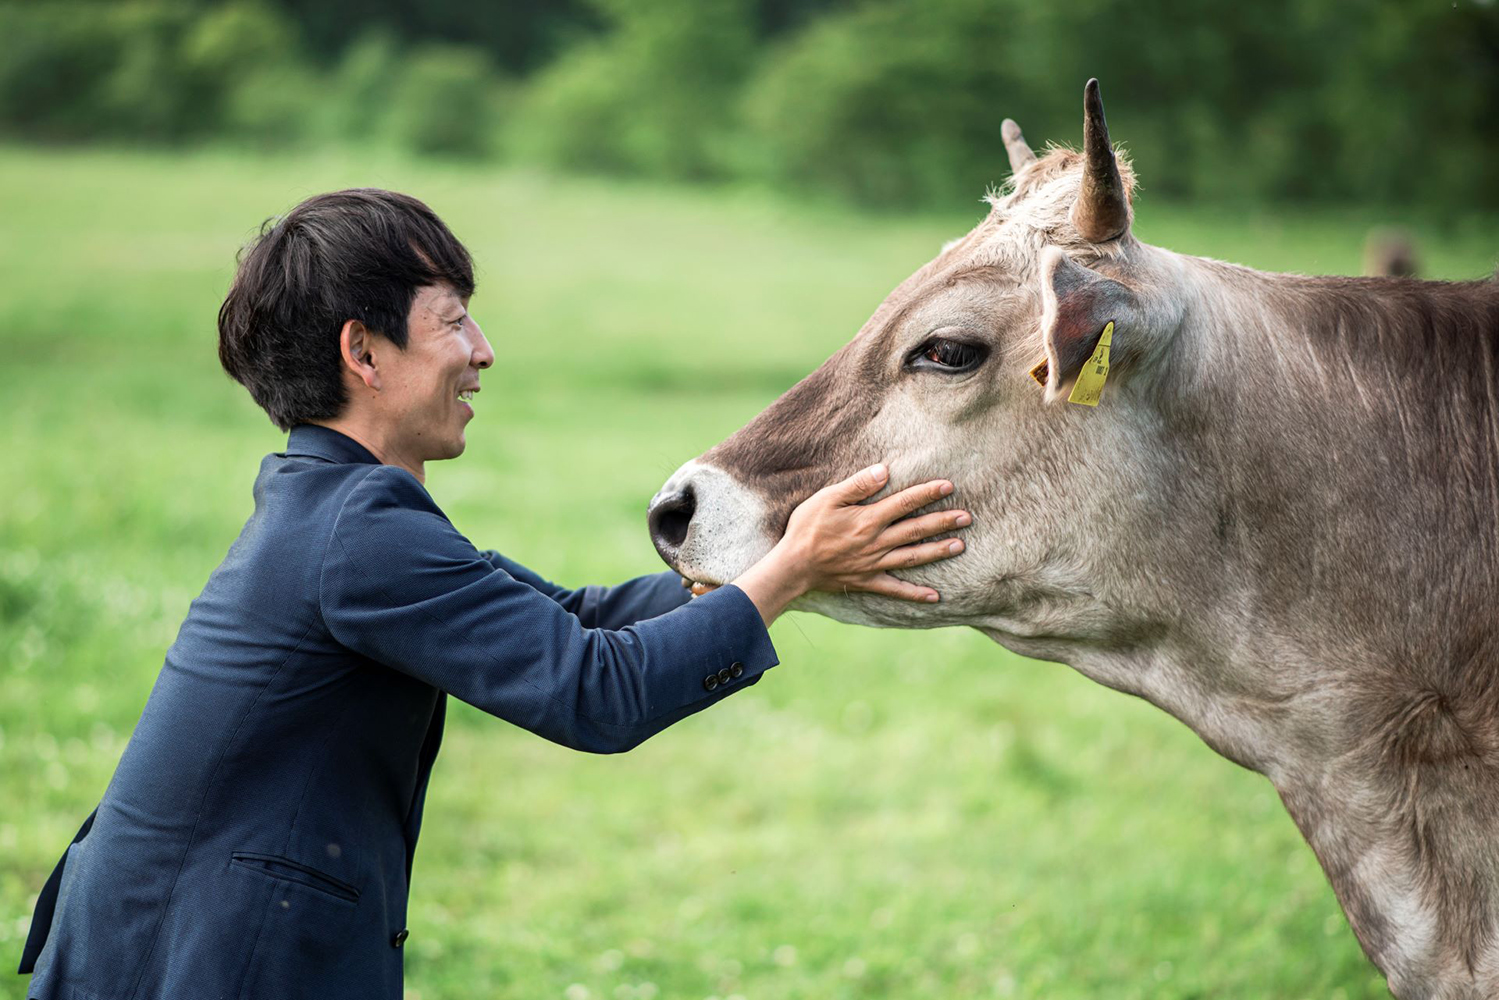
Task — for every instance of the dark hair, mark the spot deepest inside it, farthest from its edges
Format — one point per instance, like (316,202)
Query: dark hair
(357,254)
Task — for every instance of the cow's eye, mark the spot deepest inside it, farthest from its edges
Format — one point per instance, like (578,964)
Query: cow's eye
(948,355)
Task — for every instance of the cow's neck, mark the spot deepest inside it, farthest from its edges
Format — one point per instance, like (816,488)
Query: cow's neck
(1339,443)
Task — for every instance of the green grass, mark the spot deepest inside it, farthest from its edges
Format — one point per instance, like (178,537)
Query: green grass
(914,815)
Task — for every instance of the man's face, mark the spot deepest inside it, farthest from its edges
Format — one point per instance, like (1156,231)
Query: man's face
(421,385)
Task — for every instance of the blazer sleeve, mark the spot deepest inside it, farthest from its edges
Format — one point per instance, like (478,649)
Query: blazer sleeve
(401,586)
(604,607)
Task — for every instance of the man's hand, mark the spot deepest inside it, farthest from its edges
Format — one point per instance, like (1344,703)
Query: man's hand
(833,542)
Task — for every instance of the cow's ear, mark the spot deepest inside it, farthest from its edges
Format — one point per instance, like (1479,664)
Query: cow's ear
(1076,306)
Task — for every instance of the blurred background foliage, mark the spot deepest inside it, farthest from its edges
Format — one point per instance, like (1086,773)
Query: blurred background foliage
(917,815)
(890,103)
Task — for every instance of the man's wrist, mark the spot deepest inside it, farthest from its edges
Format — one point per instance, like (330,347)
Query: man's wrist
(774,582)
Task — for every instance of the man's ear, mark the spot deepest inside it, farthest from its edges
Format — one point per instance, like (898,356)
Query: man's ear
(357,344)
(1076,305)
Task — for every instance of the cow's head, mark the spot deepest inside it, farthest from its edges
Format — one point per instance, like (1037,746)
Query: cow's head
(939,383)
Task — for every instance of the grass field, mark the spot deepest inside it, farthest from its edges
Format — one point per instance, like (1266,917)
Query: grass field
(909,815)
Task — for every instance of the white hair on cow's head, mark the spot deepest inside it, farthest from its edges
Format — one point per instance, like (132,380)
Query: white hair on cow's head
(1033,209)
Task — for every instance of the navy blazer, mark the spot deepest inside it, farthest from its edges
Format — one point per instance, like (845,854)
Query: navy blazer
(256,839)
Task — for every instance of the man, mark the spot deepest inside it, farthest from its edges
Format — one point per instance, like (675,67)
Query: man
(257,837)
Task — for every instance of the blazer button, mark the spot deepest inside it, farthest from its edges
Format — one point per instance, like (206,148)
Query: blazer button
(724,675)
(710,682)
(736,669)
(400,938)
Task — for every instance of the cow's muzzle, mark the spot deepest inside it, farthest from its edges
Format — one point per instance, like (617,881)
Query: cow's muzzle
(707,525)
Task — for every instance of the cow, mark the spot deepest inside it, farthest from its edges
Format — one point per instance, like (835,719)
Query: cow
(1278,520)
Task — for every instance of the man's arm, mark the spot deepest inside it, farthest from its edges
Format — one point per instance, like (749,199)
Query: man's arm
(604,607)
(402,586)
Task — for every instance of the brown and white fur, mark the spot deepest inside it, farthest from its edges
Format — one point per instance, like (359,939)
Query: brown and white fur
(1280,524)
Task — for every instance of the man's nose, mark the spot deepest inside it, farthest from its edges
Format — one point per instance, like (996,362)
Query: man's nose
(483,353)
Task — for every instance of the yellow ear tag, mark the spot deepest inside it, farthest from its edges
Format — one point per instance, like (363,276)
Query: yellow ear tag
(1090,380)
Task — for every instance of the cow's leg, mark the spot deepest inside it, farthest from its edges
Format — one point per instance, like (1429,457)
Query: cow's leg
(1412,852)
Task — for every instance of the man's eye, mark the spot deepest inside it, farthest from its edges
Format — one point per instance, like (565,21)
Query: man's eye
(948,355)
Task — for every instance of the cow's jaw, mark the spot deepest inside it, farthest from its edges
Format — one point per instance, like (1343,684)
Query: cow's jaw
(727,527)
(729,530)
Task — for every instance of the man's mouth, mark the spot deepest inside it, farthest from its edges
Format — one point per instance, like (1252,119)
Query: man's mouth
(467,395)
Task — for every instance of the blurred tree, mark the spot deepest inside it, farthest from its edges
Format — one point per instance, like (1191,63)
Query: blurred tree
(247,74)
(364,86)
(58,58)
(899,101)
(142,69)
(891,102)
(649,96)
(520,35)
(779,17)
(445,101)
(144,93)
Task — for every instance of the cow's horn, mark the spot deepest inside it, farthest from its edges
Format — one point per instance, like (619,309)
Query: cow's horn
(1102,210)
(1020,153)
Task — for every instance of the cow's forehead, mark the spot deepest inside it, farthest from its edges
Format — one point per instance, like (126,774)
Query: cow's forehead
(992,252)
(1031,213)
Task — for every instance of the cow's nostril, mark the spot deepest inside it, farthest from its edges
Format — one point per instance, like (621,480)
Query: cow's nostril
(670,517)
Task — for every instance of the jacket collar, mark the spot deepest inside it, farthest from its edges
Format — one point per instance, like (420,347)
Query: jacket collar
(316,441)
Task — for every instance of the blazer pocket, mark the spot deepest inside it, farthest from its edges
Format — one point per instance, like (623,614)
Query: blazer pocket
(274,866)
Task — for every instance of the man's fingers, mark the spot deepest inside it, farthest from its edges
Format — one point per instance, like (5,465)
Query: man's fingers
(893,587)
(862,484)
(920,555)
(898,505)
(916,528)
